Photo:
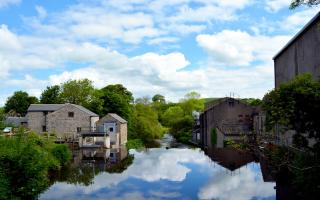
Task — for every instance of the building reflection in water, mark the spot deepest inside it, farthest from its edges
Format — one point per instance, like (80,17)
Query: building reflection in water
(89,162)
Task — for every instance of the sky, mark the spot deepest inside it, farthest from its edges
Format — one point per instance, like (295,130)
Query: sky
(171,47)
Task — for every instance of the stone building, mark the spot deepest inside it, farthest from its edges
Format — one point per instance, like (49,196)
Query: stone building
(65,120)
(115,127)
(229,117)
(300,55)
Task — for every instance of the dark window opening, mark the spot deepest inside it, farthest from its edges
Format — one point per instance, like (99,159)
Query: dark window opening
(240,115)
(231,103)
(111,129)
(78,129)
(71,114)
(44,128)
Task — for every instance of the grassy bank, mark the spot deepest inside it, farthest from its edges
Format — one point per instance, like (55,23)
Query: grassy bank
(25,161)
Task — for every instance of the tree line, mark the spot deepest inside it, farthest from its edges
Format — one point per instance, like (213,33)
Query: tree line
(148,118)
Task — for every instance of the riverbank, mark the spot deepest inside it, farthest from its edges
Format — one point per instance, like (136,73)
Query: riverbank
(25,162)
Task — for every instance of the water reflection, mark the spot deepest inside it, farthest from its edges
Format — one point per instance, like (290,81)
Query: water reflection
(165,174)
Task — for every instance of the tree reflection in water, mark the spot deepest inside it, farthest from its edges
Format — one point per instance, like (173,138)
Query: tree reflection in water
(87,163)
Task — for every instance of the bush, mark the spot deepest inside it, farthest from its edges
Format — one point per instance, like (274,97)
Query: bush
(62,153)
(25,161)
(135,144)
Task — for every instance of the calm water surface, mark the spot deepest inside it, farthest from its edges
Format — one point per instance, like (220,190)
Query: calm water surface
(161,173)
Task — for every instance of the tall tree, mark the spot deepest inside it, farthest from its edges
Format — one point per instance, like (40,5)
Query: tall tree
(158,98)
(51,95)
(192,102)
(19,102)
(77,92)
(296,3)
(120,90)
(295,105)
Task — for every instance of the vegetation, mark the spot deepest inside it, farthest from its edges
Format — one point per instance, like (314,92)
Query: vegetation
(134,144)
(18,103)
(25,161)
(297,3)
(51,95)
(295,105)
(213,136)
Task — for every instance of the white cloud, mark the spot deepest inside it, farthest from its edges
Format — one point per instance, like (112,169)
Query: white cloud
(243,185)
(239,48)
(276,5)
(297,20)
(8,40)
(5,3)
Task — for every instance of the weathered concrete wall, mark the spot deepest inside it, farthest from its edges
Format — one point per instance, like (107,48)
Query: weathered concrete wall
(303,55)
(36,120)
(65,126)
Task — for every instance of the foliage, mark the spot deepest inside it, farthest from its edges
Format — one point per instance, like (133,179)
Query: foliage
(297,3)
(295,105)
(147,125)
(62,153)
(117,99)
(172,115)
(25,160)
(192,102)
(51,95)
(19,102)
(134,144)
(158,98)
(213,136)
(252,101)
(77,92)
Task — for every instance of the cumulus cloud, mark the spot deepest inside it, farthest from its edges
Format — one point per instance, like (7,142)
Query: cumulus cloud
(5,3)
(276,5)
(242,186)
(239,47)
(297,20)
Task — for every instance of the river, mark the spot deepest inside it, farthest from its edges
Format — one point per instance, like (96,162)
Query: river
(162,173)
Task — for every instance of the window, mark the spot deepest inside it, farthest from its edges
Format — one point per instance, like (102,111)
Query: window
(111,129)
(240,115)
(71,114)
(78,129)
(44,128)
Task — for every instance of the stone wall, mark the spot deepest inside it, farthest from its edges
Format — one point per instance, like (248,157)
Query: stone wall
(229,112)
(121,128)
(64,126)
(36,121)
(303,55)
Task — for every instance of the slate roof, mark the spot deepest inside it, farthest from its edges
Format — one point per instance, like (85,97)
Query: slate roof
(16,120)
(118,118)
(44,107)
(86,110)
(302,31)
(55,107)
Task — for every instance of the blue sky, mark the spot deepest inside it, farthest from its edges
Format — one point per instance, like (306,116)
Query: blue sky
(169,47)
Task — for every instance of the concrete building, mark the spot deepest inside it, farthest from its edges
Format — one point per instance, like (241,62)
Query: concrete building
(65,120)
(229,117)
(300,55)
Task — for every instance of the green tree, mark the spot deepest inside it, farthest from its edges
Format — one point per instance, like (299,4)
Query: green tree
(172,115)
(192,102)
(147,123)
(296,3)
(295,105)
(117,99)
(158,98)
(77,92)
(19,102)
(51,95)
